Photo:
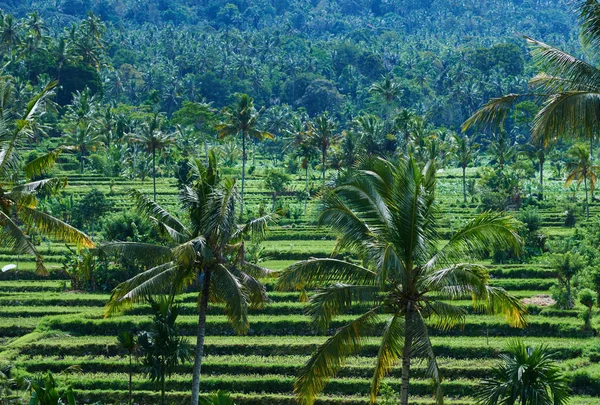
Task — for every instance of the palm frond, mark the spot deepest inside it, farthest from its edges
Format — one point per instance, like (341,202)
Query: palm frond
(493,113)
(589,16)
(227,288)
(318,272)
(256,291)
(150,282)
(331,356)
(445,316)
(558,63)
(390,350)
(497,300)
(487,231)
(148,207)
(329,301)
(257,228)
(54,227)
(15,238)
(567,114)
(42,164)
(21,193)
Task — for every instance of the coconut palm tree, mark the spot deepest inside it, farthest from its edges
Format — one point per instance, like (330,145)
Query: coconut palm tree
(242,120)
(388,91)
(386,216)
(567,88)
(151,136)
(527,376)
(582,169)
(207,254)
(18,189)
(321,133)
(463,150)
(128,341)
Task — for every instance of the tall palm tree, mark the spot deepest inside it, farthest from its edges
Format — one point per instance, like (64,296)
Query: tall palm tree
(537,152)
(304,149)
(321,132)
(567,87)
(389,91)
(18,190)
(527,376)
(463,150)
(386,216)
(207,254)
(500,149)
(242,120)
(582,169)
(151,136)
(84,139)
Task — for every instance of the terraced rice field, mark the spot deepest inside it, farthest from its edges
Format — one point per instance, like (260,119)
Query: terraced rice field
(44,326)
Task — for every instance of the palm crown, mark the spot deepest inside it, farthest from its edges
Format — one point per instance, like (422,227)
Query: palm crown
(18,190)
(386,216)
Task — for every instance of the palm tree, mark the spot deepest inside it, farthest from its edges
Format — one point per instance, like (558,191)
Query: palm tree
(527,376)
(84,139)
(128,341)
(303,148)
(568,88)
(463,150)
(18,190)
(581,168)
(500,149)
(208,254)
(389,91)
(567,266)
(242,121)
(321,132)
(153,139)
(537,151)
(386,216)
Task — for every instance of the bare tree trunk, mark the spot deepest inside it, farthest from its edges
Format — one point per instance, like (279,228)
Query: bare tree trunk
(405,365)
(200,340)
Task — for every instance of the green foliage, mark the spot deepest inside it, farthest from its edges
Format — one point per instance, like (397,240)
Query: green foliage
(527,376)
(45,391)
(161,347)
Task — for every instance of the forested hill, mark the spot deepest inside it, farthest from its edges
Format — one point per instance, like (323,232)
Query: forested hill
(448,56)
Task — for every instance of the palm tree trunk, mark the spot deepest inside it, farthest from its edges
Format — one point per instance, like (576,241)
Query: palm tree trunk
(200,339)
(464,170)
(130,391)
(541,196)
(570,303)
(162,388)
(243,174)
(405,365)
(253,153)
(587,205)
(81,161)
(306,189)
(154,172)
(323,154)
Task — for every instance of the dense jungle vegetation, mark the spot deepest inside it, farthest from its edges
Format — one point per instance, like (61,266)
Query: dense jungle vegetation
(289,201)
